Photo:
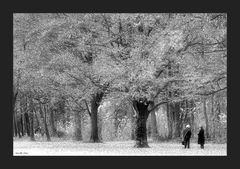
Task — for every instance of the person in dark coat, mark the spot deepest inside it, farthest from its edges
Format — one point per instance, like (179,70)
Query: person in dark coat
(186,136)
(201,137)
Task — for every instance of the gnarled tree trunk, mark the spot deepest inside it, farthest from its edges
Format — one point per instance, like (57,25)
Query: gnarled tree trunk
(141,128)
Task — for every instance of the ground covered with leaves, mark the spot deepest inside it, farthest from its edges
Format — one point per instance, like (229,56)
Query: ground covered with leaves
(74,148)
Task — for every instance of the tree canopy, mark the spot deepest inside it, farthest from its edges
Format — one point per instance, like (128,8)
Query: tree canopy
(159,58)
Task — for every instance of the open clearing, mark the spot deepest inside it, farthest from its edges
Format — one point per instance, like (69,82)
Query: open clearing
(73,148)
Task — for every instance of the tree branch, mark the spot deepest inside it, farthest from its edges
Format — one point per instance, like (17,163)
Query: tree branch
(87,107)
(215,17)
(164,102)
(210,93)
(76,78)
(103,87)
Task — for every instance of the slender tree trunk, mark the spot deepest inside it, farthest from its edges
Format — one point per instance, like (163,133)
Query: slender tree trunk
(15,124)
(19,127)
(155,134)
(95,102)
(141,128)
(77,132)
(31,116)
(14,113)
(38,123)
(149,127)
(169,119)
(63,112)
(213,117)
(100,128)
(22,117)
(22,123)
(133,123)
(115,125)
(13,127)
(42,118)
(206,117)
(31,126)
(27,123)
(176,114)
(45,124)
(52,123)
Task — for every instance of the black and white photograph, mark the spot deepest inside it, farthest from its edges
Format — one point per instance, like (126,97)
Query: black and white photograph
(119,84)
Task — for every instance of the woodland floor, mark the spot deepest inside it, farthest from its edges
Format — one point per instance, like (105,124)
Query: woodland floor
(58,147)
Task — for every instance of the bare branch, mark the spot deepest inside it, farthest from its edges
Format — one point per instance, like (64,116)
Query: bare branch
(164,102)
(210,93)
(76,78)
(217,16)
(87,107)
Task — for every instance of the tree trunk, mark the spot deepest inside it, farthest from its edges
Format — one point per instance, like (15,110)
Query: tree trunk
(133,127)
(149,127)
(116,123)
(177,122)
(169,119)
(42,119)
(100,128)
(77,132)
(212,115)
(52,123)
(19,127)
(31,126)
(141,128)
(95,102)
(45,124)
(206,117)
(22,124)
(15,124)
(133,122)
(22,117)
(62,111)
(14,113)
(155,134)
(38,123)
(27,123)
(31,116)
(174,120)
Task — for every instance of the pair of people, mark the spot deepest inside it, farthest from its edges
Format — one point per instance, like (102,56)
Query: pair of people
(187,135)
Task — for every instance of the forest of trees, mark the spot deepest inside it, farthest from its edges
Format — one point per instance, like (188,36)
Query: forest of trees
(107,76)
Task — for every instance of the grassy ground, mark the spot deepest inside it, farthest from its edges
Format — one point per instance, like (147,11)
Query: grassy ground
(58,147)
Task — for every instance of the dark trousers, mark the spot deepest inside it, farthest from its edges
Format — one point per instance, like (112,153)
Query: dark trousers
(202,145)
(187,144)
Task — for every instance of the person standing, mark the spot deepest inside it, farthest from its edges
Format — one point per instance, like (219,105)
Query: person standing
(186,136)
(201,137)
